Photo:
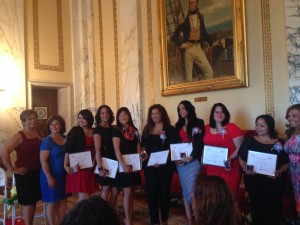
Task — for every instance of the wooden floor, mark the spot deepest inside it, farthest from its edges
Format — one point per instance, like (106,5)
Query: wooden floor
(140,211)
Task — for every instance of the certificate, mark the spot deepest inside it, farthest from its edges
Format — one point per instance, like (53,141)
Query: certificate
(158,158)
(111,167)
(181,150)
(263,163)
(132,160)
(83,159)
(215,156)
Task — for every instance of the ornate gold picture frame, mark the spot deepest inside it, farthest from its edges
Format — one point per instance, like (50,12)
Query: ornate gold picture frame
(227,55)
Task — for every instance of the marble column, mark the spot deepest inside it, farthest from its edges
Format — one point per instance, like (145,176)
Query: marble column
(129,46)
(12,67)
(83,55)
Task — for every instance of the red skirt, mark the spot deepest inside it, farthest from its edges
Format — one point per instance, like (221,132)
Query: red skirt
(82,182)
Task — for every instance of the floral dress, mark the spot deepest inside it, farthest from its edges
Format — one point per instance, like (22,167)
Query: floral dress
(292,147)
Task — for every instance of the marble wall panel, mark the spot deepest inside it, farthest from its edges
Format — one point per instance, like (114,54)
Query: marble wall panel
(83,55)
(292,14)
(12,64)
(130,59)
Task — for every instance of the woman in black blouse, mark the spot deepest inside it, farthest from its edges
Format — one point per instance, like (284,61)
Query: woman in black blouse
(265,192)
(126,141)
(104,148)
(157,136)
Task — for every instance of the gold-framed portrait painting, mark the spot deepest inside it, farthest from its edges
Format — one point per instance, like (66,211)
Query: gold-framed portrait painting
(203,45)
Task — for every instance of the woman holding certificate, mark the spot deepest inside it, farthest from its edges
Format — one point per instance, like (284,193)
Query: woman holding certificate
(265,189)
(223,134)
(126,141)
(292,147)
(157,136)
(80,140)
(104,148)
(26,170)
(53,174)
(190,130)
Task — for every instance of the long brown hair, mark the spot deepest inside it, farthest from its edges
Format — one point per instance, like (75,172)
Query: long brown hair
(150,124)
(214,202)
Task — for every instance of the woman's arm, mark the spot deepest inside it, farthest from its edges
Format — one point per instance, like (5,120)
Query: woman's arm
(281,169)
(97,141)
(237,143)
(117,148)
(68,169)
(7,149)
(44,155)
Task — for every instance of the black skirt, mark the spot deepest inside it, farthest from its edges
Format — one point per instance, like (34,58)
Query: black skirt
(28,187)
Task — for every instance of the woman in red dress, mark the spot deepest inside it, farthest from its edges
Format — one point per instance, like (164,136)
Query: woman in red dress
(221,133)
(80,139)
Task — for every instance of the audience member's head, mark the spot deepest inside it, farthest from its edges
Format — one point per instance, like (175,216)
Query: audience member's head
(214,203)
(92,211)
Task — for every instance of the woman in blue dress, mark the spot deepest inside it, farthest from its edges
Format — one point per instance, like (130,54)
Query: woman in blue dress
(53,174)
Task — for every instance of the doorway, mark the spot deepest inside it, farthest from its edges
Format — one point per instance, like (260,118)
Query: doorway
(49,99)
(44,102)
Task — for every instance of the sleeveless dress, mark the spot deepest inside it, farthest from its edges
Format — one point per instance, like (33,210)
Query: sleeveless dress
(28,185)
(127,147)
(83,181)
(225,140)
(56,166)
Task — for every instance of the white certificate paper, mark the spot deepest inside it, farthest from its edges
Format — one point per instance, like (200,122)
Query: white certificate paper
(83,159)
(111,166)
(132,160)
(158,158)
(181,150)
(214,156)
(263,163)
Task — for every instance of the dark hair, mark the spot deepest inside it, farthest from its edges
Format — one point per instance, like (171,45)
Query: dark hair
(91,211)
(214,202)
(25,114)
(191,117)
(270,123)
(212,122)
(290,130)
(150,124)
(88,116)
(125,110)
(60,120)
(110,113)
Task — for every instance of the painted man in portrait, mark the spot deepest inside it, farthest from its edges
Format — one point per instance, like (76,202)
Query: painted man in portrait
(194,38)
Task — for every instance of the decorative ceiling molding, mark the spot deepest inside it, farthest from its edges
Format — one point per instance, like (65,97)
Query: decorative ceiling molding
(267,55)
(115,18)
(37,64)
(150,52)
(101,51)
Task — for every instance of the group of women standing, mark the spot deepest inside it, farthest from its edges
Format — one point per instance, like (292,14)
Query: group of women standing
(57,179)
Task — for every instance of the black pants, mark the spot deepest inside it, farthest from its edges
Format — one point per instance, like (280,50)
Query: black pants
(265,198)
(158,187)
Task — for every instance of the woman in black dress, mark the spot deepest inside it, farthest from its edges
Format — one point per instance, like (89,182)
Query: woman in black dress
(157,136)
(126,141)
(104,148)
(265,192)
